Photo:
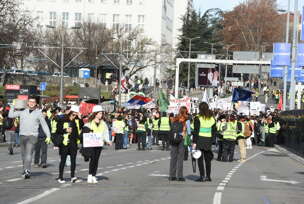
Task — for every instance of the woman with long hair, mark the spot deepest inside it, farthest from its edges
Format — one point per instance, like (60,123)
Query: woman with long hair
(96,124)
(177,149)
(202,140)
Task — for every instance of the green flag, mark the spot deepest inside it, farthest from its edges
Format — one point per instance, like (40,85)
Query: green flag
(163,101)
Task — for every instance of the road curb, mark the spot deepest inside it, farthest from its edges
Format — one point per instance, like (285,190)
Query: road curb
(290,154)
(3,144)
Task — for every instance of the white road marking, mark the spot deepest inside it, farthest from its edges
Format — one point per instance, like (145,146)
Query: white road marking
(84,169)
(220,188)
(20,165)
(264,178)
(14,179)
(217,198)
(9,167)
(38,197)
(159,175)
(119,165)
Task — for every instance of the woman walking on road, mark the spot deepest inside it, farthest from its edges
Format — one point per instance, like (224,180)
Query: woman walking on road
(202,140)
(96,124)
(68,130)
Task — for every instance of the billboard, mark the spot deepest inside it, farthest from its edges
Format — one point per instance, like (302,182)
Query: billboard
(207,75)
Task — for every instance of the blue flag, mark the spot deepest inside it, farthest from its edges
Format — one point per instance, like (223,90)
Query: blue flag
(240,94)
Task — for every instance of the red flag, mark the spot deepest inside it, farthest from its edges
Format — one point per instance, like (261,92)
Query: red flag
(280,104)
(86,108)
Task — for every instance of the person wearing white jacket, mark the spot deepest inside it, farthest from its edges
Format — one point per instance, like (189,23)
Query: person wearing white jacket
(97,125)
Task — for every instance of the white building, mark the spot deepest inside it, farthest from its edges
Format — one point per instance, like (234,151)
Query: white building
(159,19)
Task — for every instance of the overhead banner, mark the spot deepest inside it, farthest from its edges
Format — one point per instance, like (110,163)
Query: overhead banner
(281,54)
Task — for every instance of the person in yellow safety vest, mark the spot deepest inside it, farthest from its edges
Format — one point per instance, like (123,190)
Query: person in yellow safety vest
(155,131)
(229,137)
(96,124)
(164,130)
(241,138)
(118,127)
(149,128)
(68,130)
(141,133)
(221,121)
(54,121)
(204,127)
(273,128)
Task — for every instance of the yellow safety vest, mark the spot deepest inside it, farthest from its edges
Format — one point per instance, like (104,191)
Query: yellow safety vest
(97,128)
(66,139)
(53,126)
(118,126)
(141,127)
(164,124)
(206,126)
(231,132)
(149,125)
(155,124)
(241,134)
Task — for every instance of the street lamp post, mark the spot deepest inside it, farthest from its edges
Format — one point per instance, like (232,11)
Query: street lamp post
(286,67)
(294,56)
(189,56)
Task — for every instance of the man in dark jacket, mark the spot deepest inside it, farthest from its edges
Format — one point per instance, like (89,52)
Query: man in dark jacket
(41,145)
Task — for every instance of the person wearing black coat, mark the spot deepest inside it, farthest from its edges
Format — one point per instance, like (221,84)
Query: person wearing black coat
(68,130)
(204,130)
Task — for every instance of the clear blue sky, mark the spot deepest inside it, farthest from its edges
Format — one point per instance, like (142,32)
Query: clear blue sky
(226,5)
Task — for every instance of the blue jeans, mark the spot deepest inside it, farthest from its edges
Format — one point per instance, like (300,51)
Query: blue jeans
(125,139)
(17,136)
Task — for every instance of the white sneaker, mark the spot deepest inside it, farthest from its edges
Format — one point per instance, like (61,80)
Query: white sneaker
(74,180)
(90,178)
(61,181)
(94,179)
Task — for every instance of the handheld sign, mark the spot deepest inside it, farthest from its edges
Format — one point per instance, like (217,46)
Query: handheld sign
(92,140)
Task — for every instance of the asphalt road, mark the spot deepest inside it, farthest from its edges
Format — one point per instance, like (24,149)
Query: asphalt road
(140,177)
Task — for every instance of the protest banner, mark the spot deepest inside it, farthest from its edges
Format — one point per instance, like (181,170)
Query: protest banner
(92,140)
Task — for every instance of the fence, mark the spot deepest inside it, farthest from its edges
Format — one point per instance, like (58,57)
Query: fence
(291,134)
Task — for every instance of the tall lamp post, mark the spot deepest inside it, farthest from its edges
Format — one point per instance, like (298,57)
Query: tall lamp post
(294,55)
(61,66)
(189,56)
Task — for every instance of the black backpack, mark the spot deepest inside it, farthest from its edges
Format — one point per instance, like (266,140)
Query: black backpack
(176,133)
(8,123)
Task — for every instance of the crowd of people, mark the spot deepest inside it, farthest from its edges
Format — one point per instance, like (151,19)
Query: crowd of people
(182,134)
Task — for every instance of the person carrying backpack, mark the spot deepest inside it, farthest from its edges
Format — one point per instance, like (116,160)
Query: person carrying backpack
(204,126)
(176,139)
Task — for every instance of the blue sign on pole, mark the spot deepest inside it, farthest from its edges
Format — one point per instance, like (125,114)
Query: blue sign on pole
(276,71)
(43,86)
(300,56)
(86,74)
(281,54)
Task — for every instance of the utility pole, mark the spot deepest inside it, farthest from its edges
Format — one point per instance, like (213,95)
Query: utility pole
(61,69)
(120,73)
(286,67)
(294,56)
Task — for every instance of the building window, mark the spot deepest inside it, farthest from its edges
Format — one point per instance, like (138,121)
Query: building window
(53,19)
(65,19)
(102,19)
(91,17)
(116,22)
(129,2)
(141,21)
(128,23)
(77,19)
(116,1)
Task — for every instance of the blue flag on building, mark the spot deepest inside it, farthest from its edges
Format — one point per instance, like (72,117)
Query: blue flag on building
(240,94)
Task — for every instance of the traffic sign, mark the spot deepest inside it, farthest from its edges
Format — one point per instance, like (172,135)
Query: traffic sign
(43,86)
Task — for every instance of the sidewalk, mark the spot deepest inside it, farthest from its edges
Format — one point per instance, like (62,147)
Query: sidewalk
(290,154)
